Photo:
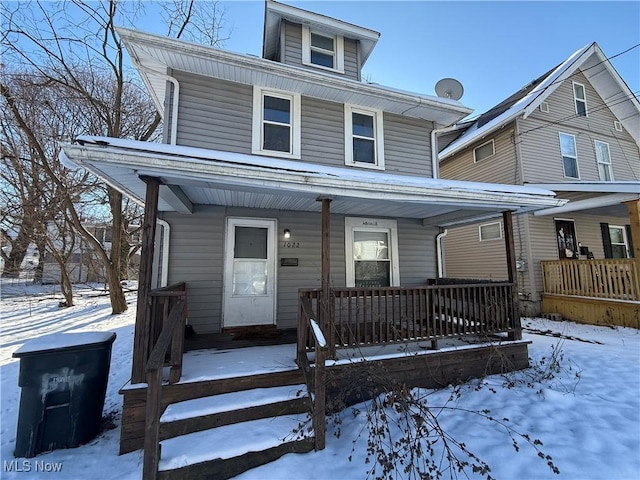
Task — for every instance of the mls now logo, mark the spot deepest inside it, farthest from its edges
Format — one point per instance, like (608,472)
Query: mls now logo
(31,466)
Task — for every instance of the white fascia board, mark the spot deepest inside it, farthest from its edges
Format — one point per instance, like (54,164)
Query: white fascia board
(595,187)
(587,204)
(159,164)
(148,42)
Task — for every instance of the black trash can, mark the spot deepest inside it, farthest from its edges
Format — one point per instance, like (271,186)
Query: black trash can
(64,381)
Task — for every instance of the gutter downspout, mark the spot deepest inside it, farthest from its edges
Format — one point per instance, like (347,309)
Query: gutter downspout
(175,97)
(435,164)
(440,253)
(166,230)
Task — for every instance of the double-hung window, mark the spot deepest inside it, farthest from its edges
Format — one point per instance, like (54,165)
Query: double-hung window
(580,99)
(569,155)
(371,252)
(364,144)
(322,50)
(619,244)
(276,123)
(603,157)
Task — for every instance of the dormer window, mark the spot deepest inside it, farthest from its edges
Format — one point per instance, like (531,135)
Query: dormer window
(322,50)
(580,98)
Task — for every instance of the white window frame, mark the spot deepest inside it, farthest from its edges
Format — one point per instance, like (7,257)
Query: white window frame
(257,140)
(353,224)
(378,139)
(483,239)
(562,154)
(493,151)
(624,239)
(605,162)
(577,99)
(338,54)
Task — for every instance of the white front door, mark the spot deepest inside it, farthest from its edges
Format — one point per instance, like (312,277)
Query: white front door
(250,272)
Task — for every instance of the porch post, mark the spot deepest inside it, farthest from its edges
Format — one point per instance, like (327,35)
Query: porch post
(142,331)
(634,221)
(326,311)
(507,220)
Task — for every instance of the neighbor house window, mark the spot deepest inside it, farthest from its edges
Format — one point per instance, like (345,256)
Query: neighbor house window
(490,231)
(276,123)
(569,155)
(322,50)
(371,252)
(364,146)
(485,150)
(603,157)
(619,244)
(580,98)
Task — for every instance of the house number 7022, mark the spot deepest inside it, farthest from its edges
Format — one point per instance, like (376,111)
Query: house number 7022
(291,244)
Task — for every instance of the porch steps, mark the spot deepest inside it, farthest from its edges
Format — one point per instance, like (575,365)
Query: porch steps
(221,436)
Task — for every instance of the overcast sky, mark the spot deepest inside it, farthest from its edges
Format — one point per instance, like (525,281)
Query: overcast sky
(492,48)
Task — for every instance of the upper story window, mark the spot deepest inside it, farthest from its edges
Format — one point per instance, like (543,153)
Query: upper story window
(490,231)
(485,150)
(580,98)
(569,155)
(364,144)
(322,50)
(276,123)
(603,157)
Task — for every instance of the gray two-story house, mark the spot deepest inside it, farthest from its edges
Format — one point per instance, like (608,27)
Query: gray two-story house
(286,186)
(574,130)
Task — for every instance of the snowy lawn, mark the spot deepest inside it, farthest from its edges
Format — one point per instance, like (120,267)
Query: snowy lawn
(587,415)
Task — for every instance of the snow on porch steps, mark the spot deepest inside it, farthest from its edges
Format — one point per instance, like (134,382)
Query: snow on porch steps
(231,440)
(231,401)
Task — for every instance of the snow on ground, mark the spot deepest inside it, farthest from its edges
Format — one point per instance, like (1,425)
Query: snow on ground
(587,414)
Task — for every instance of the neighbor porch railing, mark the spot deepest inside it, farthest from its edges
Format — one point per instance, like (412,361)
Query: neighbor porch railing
(609,278)
(167,322)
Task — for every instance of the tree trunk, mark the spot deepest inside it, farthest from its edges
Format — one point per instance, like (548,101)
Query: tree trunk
(39,273)
(66,286)
(116,295)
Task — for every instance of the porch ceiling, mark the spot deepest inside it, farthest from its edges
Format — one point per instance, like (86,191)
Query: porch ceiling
(203,177)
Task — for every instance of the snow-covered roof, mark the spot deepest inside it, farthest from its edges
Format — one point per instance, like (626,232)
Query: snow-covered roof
(154,55)
(200,176)
(593,64)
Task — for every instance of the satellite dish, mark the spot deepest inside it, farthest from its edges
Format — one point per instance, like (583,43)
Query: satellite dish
(449,88)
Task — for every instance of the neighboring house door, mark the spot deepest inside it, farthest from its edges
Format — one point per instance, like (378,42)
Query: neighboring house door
(566,239)
(250,272)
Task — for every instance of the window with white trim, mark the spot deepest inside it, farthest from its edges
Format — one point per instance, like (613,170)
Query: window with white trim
(322,50)
(483,151)
(603,157)
(364,144)
(490,231)
(580,99)
(276,123)
(371,252)
(619,242)
(569,155)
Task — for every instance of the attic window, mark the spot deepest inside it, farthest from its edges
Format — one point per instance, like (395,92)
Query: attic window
(617,125)
(490,231)
(485,150)
(322,50)
(580,98)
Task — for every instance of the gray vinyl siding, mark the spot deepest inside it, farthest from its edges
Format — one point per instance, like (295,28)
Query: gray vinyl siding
(500,168)
(197,258)
(217,115)
(467,257)
(293,52)
(540,144)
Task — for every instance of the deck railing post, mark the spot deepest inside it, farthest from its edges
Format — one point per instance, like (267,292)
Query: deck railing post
(634,223)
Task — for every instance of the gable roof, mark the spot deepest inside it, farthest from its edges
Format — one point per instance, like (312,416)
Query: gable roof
(275,12)
(592,63)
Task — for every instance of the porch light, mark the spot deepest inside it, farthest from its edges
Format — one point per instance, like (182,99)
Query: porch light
(287,233)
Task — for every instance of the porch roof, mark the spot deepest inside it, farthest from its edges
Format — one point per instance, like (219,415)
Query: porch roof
(193,176)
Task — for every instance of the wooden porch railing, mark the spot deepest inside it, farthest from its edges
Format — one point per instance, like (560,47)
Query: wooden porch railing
(609,278)
(168,313)
(368,316)
(307,323)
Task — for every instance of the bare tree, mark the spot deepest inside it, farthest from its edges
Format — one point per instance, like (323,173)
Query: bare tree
(73,46)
